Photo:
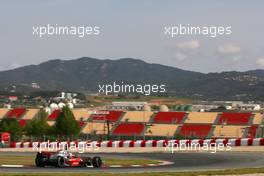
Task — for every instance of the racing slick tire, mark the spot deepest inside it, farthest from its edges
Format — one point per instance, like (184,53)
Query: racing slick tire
(39,160)
(87,162)
(60,162)
(97,162)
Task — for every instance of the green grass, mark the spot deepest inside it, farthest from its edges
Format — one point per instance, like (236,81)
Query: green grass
(220,172)
(30,160)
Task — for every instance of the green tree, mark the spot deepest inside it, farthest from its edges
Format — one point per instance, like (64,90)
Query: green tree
(42,114)
(38,127)
(66,125)
(188,108)
(11,126)
(155,108)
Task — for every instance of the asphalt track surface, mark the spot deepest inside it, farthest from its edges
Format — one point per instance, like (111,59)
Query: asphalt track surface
(181,162)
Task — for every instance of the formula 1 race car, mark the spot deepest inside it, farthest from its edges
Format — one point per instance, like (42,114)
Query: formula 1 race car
(66,159)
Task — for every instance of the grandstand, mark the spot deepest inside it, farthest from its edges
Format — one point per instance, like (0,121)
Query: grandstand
(258,118)
(81,114)
(252,131)
(167,130)
(51,123)
(54,115)
(3,112)
(152,125)
(30,114)
(16,113)
(169,117)
(95,128)
(231,131)
(129,129)
(232,118)
(201,117)
(137,116)
(112,116)
(22,122)
(195,130)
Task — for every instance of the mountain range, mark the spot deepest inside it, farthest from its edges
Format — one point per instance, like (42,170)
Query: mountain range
(85,74)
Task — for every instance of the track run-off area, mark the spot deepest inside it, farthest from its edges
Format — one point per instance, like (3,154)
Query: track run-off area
(169,162)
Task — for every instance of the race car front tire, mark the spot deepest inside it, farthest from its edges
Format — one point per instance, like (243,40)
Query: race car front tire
(39,160)
(97,162)
(60,161)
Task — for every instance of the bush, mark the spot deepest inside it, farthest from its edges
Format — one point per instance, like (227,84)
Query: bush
(11,126)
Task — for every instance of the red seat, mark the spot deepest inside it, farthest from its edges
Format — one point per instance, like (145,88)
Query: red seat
(81,124)
(193,130)
(169,117)
(129,129)
(112,116)
(54,115)
(231,118)
(252,131)
(16,113)
(22,123)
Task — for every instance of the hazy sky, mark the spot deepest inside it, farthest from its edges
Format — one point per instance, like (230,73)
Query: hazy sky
(135,29)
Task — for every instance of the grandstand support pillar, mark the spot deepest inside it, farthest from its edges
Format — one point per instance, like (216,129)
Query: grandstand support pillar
(108,129)
(262,130)
(211,132)
(245,133)
(177,132)
(151,119)
(185,117)
(144,131)
(251,119)
(217,119)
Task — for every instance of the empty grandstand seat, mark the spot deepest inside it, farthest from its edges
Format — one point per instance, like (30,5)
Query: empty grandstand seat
(252,131)
(201,117)
(137,116)
(231,118)
(30,114)
(81,124)
(169,117)
(129,129)
(81,114)
(166,130)
(3,112)
(258,119)
(51,123)
(16,113)
(95,128)
(22,122)
(229,131)
(112,116)
(54,115)
(195,130)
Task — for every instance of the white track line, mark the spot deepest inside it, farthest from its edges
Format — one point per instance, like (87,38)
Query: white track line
(6,165)
(115,166)
(165,163)
(136,165)
(152,164)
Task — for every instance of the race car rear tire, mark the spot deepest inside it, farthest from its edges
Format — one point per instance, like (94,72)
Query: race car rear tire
(87,162)
(60,162)
(97,162)
(39,160)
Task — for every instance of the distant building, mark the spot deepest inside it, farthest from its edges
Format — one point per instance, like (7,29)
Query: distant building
(249,107)
(228,105)
(12,98)
(127,105)
(35,86)
(67,95)
(203,107)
